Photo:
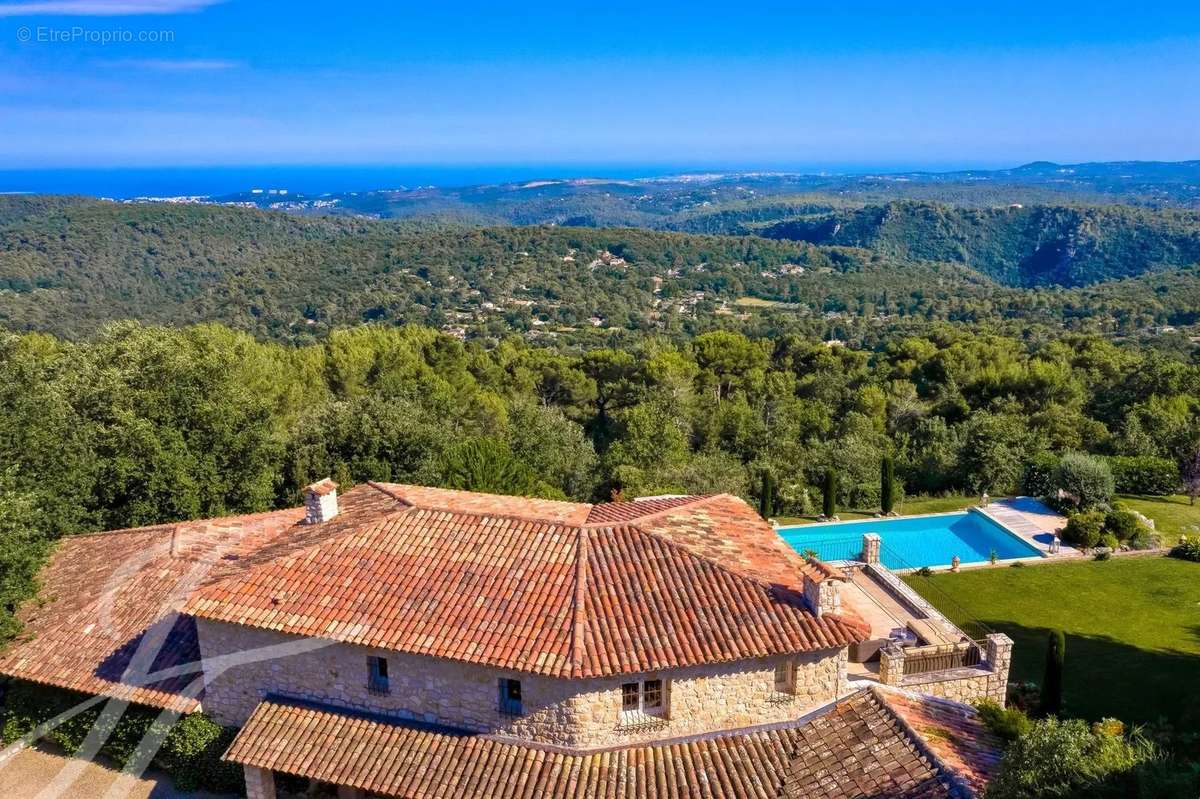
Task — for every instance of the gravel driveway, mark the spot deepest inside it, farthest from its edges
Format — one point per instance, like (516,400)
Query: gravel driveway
(31,774)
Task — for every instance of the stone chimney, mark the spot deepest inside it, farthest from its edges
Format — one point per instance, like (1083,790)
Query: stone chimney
(822,588)
(320,501)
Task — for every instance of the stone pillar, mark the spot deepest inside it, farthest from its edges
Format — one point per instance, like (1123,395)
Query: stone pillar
(999,660)
(891,664)
(346,792)
(260,783)
(871,544)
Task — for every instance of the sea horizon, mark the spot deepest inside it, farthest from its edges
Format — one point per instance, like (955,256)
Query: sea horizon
(125,182)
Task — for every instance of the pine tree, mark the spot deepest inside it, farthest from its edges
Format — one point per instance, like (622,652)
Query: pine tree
(829,504)
(1052,682)
(887,484)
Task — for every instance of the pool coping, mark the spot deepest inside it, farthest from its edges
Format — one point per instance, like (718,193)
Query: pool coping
(1039,553)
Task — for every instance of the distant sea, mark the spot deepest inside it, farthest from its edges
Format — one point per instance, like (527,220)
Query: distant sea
(218,181)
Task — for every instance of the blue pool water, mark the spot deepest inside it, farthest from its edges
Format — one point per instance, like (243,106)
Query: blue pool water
(914,541)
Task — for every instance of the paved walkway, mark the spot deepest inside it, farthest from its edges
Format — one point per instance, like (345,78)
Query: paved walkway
(38,774)
(1032,521)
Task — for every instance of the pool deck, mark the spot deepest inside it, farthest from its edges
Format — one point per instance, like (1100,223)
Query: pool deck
(879,609)
(1032,522)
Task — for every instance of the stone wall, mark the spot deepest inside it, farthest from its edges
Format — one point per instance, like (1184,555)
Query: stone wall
(714,697)
(570,713)
(988,681)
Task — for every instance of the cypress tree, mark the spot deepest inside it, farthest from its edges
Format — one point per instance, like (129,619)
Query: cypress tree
(1052,682)
(766,496)
(887,484)
(829,503)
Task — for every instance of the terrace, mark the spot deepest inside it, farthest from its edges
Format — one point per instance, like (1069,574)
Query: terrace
(913,645)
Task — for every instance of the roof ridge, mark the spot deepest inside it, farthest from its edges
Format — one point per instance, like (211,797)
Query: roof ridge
(165,526)
(384,488)
(565,525)
(386,492)
(694,501)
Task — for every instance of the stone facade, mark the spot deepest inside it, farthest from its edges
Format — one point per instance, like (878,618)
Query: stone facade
(579,714)
(988,681)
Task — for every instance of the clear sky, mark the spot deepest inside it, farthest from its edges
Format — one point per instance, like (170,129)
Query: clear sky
(792,84)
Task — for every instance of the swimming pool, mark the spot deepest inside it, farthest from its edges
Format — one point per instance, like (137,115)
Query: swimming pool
(913,541)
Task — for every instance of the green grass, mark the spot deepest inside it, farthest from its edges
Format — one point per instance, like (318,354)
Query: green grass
(1132,626)
(1171,515)
(911,506)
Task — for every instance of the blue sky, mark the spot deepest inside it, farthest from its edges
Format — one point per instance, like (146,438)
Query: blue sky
(747,84)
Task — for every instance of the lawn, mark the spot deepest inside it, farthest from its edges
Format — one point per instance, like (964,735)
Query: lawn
(1132,625)
(1172,515)
(911,506)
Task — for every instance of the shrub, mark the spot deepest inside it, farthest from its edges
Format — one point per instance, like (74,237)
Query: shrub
(1123,524)
(1145,538)
(190,752)
(1110,541)
(1036,479)
(1008,723)
(1087,479)
(1083,530)
(1144,474)
(1187,549)
(1072,759)
(795,499)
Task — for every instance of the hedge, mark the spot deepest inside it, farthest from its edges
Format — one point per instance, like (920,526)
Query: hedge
(190,753)
(1157,477)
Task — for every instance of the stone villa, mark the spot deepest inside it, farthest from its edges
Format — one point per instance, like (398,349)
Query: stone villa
(402,641)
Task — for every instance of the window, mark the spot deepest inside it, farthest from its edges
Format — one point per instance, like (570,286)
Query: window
(377,675)
(510,698)
(643,702)
(785,678)
(630,697)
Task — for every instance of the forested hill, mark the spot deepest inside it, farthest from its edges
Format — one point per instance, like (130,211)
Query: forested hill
(69,266)
(1017,245)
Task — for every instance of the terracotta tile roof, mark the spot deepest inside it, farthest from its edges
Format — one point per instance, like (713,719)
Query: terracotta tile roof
(550,599)
(726,530)
(952,732)
(856,750)
(109,602)
(552,594)
(860,749)
(545,510)
(613,512)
